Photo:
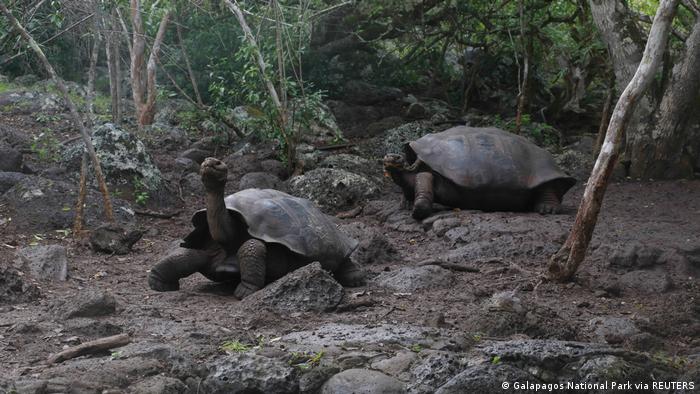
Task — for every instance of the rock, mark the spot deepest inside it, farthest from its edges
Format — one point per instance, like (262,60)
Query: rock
(14,138)
(249,373)
(259,180)
(383,125)
(434,369)
(192,184)
(486,378)
(196,155)
(629,256)
(114,238)
(354,164)
(208,144)
(186,166)
(647,281)
(309,288)
(168,136)
(362,381)
(26,80)
(122,157)
(611,329)
(15,287)
(46,262)
(576,164)
(397,365)
(90,303)
(360,92)
(10,159)
(159,384)
(40,205)
(275,167)
(333,189)
(9,179)
(312,380)
(392,141)
(374,246)
(169,110)
(584,145)
(410,279)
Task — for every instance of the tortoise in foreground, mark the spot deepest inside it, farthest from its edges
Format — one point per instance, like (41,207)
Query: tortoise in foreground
(478,168)
(254,237)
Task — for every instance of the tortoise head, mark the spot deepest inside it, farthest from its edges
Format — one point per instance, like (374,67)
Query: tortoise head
(394,162)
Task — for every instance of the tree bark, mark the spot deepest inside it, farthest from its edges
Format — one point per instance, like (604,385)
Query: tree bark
(193,80)
(71,106)
(564,264)
(658,151)
(112,52)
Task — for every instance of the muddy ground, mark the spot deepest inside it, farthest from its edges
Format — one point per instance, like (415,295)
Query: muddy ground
(439,293)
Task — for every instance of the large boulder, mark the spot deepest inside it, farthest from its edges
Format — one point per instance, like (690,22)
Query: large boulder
(360,92)
(122,155)
(362,381)
(410,279)
(10,159)
(250,373)
(333,189)
(45,262)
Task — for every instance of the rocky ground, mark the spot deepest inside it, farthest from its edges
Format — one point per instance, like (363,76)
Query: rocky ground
(454,304)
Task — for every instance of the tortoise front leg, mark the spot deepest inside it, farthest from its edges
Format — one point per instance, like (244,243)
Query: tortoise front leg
(423,201)
(251,258)
(165,276)
(349,274)
(547,201)
(221,228)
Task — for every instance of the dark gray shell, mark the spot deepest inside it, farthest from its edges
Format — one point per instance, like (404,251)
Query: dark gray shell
(274,216)
(489,159)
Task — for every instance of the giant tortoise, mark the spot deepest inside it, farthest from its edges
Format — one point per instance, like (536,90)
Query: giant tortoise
(478,168)
(253,237)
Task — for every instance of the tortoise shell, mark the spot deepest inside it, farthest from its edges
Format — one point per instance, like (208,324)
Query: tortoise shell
(273,216)
(489,159)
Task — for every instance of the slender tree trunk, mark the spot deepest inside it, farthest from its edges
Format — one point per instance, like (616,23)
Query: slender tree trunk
(112,51)
(524,86)
(193,80)
(93,68)
(148,111)
(564,264)
(71,106)
(605,117)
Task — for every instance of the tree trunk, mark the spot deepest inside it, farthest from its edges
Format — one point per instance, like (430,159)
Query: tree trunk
(190,73)
(658,151)
(71,106)
(112,51)
(564,264)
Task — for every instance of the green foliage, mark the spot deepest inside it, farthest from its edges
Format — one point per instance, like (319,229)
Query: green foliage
(540,133)
(306,361)
(141,194)
(234,346)
(495,360)
(45,145)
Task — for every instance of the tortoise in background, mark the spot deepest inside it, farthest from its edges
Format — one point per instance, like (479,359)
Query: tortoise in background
(254,237)
(478,168)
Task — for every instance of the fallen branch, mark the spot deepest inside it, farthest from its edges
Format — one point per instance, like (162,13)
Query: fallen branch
(91,347)
(448,265)
(351,306)
(154,214)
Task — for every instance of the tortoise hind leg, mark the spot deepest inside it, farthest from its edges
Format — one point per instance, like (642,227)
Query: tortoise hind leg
(252,259)
(547,201)
(350,274)
(165,276)
(423,201)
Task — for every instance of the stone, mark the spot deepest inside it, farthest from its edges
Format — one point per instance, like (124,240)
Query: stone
(352,163)
(259,180)
(397,365)
(89,303)
(15,287)
(168,136)
(309,288)
(196,155)
(10,159)
(159,384)
(360,92)
(576,164)
(647,281)
(114,238)
(250,373)
(312,380)
(373,247)
(486,378)
(122,155)
(46,262)
(333,189)
(9,179)
(168,111)
(410,279)
(612,329)
(192,184)
(629,256)
(186,166)
(275,167)
(434,369)
(26,80)
(362,381)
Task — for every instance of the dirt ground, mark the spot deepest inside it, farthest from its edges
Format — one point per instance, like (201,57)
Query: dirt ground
(637,288)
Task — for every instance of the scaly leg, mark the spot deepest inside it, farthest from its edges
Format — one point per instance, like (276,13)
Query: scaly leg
(252,259)
(423,202)
(350,274)
(165,276)
(547,201)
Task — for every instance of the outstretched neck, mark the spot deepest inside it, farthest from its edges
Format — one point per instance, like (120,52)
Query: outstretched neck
(220,223)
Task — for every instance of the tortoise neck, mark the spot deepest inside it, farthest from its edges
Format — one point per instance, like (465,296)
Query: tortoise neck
(219,220)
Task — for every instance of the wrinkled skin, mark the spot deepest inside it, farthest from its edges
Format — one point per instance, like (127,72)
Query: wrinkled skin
(422,187)
(232,255)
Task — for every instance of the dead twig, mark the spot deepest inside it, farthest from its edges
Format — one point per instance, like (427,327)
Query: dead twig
(351,306)
(449,265)
(154,214)
(91,347)
(351,213)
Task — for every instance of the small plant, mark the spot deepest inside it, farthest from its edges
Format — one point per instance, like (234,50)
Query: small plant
(306,361)
(417,348)
(46,118)
(496,360)
(141,195)
(46,146)
(234,347)
(115,355)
